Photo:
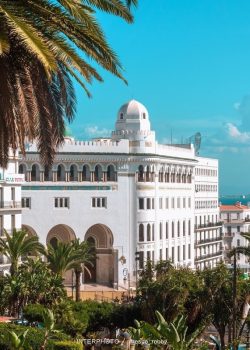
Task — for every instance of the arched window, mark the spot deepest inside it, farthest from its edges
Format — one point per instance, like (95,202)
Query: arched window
(35,174)
(73,173)
(148,232)
(167,177)
(111,174)
(141,233)
(98,173)
(153,232)
(23,170)
(85,173)
(61,173)
(148,174)
(140,174)
(47,173)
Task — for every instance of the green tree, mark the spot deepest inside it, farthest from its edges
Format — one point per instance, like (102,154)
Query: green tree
(41,45)
(18,245)
(86,254)
(62,257)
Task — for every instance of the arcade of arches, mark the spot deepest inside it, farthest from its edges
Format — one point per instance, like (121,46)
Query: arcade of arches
(105,267)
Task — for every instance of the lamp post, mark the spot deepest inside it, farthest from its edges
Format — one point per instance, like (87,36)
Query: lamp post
(137,258)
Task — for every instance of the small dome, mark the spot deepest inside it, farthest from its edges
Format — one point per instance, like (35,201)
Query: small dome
(132,110)
(133,122)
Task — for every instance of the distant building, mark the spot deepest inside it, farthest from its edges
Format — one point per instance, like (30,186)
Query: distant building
(125,194)
(236,220)
(208,226)
(10,201)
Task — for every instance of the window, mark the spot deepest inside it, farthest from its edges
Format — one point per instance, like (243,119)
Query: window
(153,232)
(148,232)
(184,203)
(61,202)
(238,228)
(148,255)
(178,253)
(184,228)
(153,203)
(184,252)
(148,203)
(167,203)
(12,193)
(160,203)
(160,254)
(26,202)
(160,229)
(99,202)
(173,203)
(172,229)
(166,253)
(141,260)
(178,228)
(166,230)
(189,227)
(189,251)
(141,233)
(189,202)
(141,203)
(178,203)
(172,254)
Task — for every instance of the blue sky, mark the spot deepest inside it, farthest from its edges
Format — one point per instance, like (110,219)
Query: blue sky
(188,62)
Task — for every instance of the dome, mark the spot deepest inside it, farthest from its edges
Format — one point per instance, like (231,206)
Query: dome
(133,122)
(132,110)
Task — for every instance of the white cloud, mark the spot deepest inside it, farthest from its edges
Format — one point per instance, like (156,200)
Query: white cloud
(95,131)
(236,134)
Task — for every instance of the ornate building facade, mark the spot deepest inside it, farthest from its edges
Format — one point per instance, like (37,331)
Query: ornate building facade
(127,194)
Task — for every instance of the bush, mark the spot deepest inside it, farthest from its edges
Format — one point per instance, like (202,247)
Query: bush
(67,345)
(35,336)
(33,312)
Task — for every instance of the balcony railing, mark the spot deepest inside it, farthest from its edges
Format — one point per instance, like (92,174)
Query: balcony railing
(208,256)
(208,240)
(10,205)
(208,225)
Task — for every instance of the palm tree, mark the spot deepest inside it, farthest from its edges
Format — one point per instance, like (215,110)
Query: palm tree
(242,249)
(62,257)
(87,255)
(17,246)
(40,46)
(67,256)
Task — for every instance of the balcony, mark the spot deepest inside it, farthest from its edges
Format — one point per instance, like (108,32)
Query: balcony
(208,240)
(10,205)
(209,225)
(209,256)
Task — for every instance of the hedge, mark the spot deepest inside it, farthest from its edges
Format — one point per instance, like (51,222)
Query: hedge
(33,312)
(35,336)
(67,345)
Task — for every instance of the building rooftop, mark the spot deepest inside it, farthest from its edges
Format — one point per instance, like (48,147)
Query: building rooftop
(234,207)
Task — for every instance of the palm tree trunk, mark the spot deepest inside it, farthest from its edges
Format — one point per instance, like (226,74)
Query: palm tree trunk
(78,284)
(222,337)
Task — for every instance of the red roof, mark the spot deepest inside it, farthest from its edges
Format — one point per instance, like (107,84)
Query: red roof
(235,207)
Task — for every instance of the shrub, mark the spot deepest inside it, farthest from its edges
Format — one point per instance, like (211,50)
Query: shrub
(35,336)
(33,312)
(67,345)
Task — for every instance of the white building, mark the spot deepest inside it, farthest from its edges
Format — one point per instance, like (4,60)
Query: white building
(208,226)
(125,194)
(236,220)
(10,200)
